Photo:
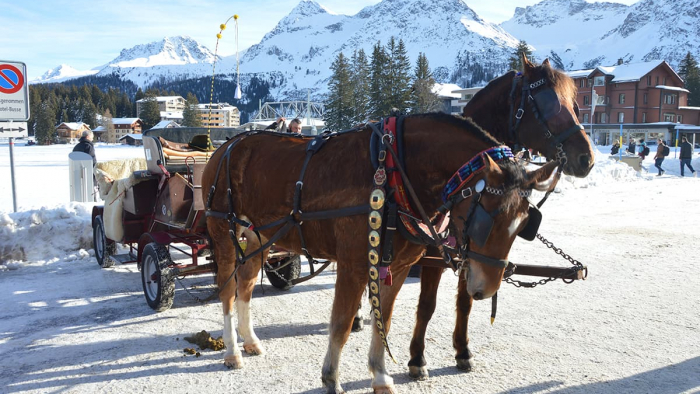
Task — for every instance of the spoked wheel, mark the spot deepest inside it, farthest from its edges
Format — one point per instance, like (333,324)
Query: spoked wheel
(158,284)
(103,247)
(283,277)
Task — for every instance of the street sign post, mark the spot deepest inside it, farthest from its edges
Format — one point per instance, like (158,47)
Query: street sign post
(14,94)
(14,107)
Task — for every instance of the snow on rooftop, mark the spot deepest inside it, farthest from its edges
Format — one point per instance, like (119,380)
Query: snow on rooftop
(672,88)
(124,120)
(446,90)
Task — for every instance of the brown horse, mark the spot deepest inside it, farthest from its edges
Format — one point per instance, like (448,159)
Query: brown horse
(260,171)
(537,110)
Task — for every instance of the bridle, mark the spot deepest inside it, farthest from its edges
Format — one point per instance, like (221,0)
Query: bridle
(545,104)
(478,224)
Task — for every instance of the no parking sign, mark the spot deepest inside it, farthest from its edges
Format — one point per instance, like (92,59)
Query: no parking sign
(14,94)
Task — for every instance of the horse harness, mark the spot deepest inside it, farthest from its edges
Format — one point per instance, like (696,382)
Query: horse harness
(382,223)
(544,104)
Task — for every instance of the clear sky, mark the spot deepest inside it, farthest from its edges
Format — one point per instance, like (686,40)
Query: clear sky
(88,33)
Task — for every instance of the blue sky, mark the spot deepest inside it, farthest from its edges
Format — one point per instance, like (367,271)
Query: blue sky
(88,33)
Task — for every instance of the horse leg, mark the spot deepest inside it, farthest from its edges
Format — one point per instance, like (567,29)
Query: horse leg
(429,281)
(460,338)
(348,293)
(226,263)
(246,277)
(382,383)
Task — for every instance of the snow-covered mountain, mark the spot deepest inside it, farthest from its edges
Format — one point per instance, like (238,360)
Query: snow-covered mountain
(171,58)
(304,44)
(462,48)
(577,34)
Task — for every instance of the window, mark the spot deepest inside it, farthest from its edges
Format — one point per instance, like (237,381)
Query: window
(620,117)
(646,98)
(679,118)
(590,82)
(582,83)
(622,98)
(603,118)
(657,79)
(670,99)
(669,117)
(585,100)
(644,117)
(664,80)
(599,81)
(648,80)
(585,118)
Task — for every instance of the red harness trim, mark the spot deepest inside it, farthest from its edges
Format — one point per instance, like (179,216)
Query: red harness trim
(395,180)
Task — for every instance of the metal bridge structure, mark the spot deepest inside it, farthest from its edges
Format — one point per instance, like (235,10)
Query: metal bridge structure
(290,110)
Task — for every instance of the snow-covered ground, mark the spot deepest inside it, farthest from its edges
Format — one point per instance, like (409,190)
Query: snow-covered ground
(67,325)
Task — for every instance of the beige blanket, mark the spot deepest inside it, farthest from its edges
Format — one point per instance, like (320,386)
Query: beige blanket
(114,178)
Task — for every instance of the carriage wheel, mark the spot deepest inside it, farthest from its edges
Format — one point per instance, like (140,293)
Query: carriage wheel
(282,278)
(103,247)
(158,284)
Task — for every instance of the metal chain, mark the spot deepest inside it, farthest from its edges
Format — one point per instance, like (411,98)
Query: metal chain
(577,266)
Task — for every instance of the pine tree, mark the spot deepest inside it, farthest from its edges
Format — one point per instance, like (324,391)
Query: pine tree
(400,76)
(377,82)
(423,99)
(515,62)
(687,66)
(338,112)
(360,84)
(190,116)
(150,112)
(45,131)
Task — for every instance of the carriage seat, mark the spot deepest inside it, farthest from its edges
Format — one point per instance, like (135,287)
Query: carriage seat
(174,160)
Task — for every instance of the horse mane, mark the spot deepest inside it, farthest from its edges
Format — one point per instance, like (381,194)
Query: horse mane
(462,123)
(514,175)
(562,84)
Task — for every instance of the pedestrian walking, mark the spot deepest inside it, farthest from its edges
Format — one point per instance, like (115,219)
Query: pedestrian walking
(686,156)
(661,152)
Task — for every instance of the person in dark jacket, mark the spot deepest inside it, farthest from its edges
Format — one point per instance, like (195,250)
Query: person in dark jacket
(615,148)
(294,126)
(686,156)
(632,147)
(85,145)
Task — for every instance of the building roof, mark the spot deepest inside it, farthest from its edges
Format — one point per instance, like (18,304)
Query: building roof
(162,98)
(163,124)
(99,129)
(125,120)
(73,125)
(623,73)
(672,88)
(446,90)
(171,115)
(136,136)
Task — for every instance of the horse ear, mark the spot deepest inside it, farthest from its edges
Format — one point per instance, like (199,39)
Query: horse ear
(546,63)
(489,164)
(536,178)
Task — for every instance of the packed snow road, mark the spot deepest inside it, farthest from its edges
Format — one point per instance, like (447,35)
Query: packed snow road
(632,327)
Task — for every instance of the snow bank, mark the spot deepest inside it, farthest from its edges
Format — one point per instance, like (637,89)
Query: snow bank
(45,235)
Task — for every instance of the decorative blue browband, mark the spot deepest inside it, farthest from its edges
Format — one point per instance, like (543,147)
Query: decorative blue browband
(473,166)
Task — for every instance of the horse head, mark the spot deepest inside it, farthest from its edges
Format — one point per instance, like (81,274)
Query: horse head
(550,124)
(488,212)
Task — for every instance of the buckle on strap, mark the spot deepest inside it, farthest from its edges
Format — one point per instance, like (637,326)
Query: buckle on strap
(519,114)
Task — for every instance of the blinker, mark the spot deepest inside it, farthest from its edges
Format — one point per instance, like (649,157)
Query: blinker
(547,103)
(534,218)
(480,225)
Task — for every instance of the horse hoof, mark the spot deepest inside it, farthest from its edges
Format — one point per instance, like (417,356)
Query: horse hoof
(254,349)
(418,373)
(233,362)
(464,364)
(332,387)
(384,390)
(357,325)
